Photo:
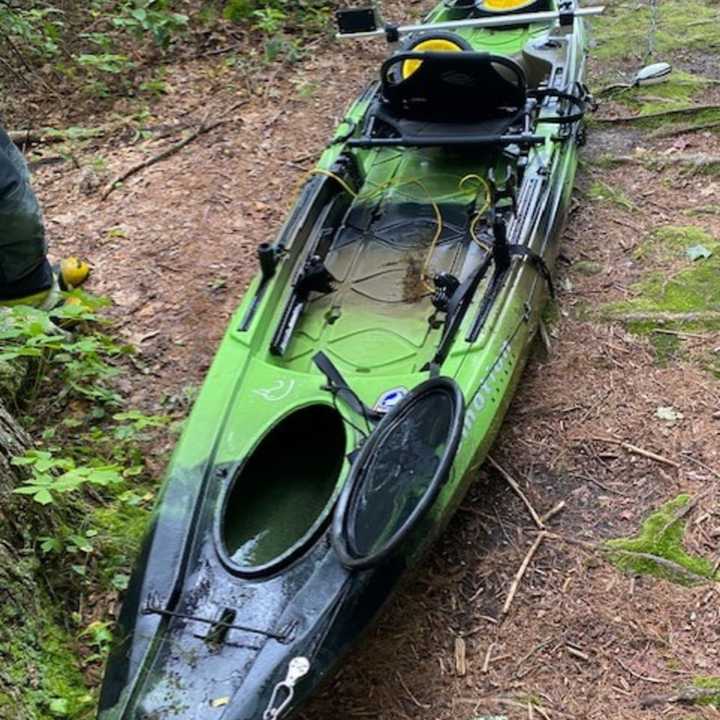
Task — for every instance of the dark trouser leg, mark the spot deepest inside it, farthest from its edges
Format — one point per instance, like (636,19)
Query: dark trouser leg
(24,268)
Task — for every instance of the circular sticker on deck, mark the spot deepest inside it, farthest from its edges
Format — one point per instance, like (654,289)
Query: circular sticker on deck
(389,399)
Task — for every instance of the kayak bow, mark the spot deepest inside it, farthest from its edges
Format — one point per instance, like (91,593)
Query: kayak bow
(365,374)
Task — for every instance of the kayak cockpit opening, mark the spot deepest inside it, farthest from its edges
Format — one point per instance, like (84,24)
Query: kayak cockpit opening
(283,494)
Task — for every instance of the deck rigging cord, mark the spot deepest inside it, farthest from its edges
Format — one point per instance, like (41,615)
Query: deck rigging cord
(396,183)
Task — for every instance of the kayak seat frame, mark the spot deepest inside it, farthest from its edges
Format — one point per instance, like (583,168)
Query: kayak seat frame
(451,98)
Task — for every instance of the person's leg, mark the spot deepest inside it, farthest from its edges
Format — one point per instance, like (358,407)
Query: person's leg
(24,268)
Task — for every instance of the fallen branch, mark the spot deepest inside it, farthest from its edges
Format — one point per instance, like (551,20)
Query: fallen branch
(675,333)
(521,572)
(202,129)
(47,136)
(683,129)
(661,113)
(692,161)
(164,155)
(687,696)
(513,484)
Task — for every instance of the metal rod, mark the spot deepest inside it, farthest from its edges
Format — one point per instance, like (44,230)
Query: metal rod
(488,22)
(150,610)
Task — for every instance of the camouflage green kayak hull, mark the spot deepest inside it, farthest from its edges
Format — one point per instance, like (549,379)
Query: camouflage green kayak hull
(361,381)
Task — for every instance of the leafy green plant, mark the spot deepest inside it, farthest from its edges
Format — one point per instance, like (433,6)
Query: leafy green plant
(135,422)
(269,19)
(279,46)
(99,636)
(51,476)
(38,30)
(105,62)
(152,17)
(79,361)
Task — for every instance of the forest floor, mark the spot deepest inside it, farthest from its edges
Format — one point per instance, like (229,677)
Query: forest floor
(617,416)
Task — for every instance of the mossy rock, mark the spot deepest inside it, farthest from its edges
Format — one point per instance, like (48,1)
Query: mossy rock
(661,539)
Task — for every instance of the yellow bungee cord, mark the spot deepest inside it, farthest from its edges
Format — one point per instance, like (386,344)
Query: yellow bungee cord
(398,182)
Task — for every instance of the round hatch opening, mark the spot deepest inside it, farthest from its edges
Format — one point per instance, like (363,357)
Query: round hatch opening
(283,494)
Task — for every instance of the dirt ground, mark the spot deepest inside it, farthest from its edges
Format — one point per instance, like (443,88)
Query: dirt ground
(174,249)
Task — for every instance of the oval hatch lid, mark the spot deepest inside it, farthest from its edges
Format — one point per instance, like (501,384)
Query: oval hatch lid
(398,473)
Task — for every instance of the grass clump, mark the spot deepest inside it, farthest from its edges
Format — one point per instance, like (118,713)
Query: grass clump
(602,192)
(661,539)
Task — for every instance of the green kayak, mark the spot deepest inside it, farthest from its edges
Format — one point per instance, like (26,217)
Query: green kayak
(366,372)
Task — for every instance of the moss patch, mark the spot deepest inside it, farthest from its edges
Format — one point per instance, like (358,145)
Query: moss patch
(681,90)
(673,241)
(120,532)
(628,36)
(667,348)
(708,683)
(623,32)
(40,664)
(687,298)
(661,536)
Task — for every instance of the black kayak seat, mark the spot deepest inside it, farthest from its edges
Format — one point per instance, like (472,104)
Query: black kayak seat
(457,87)
(451,98)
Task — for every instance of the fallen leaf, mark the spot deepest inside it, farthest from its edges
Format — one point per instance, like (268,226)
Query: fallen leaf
(669,414)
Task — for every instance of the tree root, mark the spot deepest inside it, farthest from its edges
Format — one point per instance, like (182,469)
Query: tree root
(660,114)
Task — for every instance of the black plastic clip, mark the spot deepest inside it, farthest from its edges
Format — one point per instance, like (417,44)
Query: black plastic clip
(392,33)
(567,14)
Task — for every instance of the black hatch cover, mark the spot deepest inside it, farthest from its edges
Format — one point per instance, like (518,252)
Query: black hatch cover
(398,473)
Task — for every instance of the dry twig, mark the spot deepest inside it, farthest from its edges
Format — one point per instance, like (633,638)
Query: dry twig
(550,514)
(168,152)
(513,484)
(488,656)
(460,657)
(521,572)
(635,450)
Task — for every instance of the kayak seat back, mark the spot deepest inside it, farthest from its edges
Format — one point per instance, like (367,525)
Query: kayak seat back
(449,99)
(453,87)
